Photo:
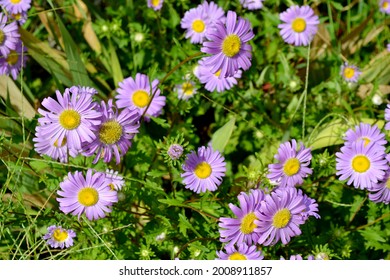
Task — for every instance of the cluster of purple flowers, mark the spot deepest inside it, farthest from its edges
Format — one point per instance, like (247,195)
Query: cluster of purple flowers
(363,161)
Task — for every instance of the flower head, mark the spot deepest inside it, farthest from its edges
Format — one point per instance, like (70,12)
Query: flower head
(384,6)
(350,73)
(116,181)
(228,46)
(20,18)
(186,90)
(196,23)
(9,36)
(175,151)
(203,170)
(380,192)
(367,133)
(57,237)
(155,4)
(252,4)
(14,61)
(299,25)
(16,6)
(91,195)
(240,252)
(243,228)
(293,164)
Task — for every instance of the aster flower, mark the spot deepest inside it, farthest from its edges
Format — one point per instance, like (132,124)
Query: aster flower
(363,165)
(380,192)
(280,216)
(384,6)
(240,252)
(387,117)
(57,237)
(175,151)
(299,25)
(20,18)
(16,6)
(9,35)
(242,229)
(155,4)
(91,195)
(367,133)
(136,94)
(228,46)
(71,117)
(113,134)
(196,23)
(116,180)
(350,73)
(14,61)
(203,170)
(311,206)
(186,90)
(252,4)
(214,81)
(293,164)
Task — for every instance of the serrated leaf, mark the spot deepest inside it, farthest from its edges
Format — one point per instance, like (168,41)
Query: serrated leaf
(171,202)
(221,137)
(184,224)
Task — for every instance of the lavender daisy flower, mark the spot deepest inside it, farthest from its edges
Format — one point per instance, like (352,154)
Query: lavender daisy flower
(91,195)
(380,192)
(242,229)
(363,165)
(9,35)
(384,6)
(213,12)
(228,46)
(71,116)
(252,4)
(387,117)
(280,216)
(175,151)
(350,73)
(116,180)
(242,252)
(14,61)
(136,94)
(216,81)
(155,4)
(57,237)
(293,164)
(299,25)
(20,18)
(113,134)
(196,23)
(16,6)
(203,170)
(367,133)
(186,90)
(311,206)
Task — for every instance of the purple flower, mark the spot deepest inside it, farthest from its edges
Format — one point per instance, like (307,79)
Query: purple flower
(293,164)
(387,117)
(384,6)
(240,252)
(252,4)
(299,25)
(228,46)
(57,237)
(350,73)
(311,206)
(113,134)
(203,170)
(9,36)
(14,61)
(367,133)
(91,195)
(280,216)
(213,12)
(20,18)
(380,192)
(363,165)
(155,4)
(243,228)
(16,6)
(186,90)
(175,151)
(136,94)
(196,23)
(116,181)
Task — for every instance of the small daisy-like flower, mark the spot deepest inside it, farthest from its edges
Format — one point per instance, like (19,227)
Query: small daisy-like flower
(380,192)
(214,81)
(350,73)
(203,170)
(155,4)
(293,164)
(113,134)
(196,23)
(14,61)
(252,4)
(367,133)
(91,195)
(20,18)
(299,25)
(311,206)
(280,216)
(228,46)
(116,180)
(186,90)
(175,151)
(384,6)
(363,165)
(240,252)
(16,6)
(9,35)
(387,117)
(136,94)
(71,116)
(57,237)
(242,229)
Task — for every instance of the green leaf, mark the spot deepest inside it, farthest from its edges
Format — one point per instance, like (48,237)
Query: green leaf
(221,137)
(184,224)
(171,202)
(115,65)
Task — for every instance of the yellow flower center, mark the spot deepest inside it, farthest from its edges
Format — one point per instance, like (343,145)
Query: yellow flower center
(112,187)
(388,183)
(110,132)
(360,163)
(62,143)
(15,1)
(231,45)
(281,218)
(88,196)
(366,141)
(291,166)
(188,88)
(349,72)
(70,119)
(385,5)
(12,58)
(2,36)
(247,223)
(155,2)
(237,257)
(140,98)
(60,235)
(298,25)
(203,170)
(198,25)
(218,73)
(17,16)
